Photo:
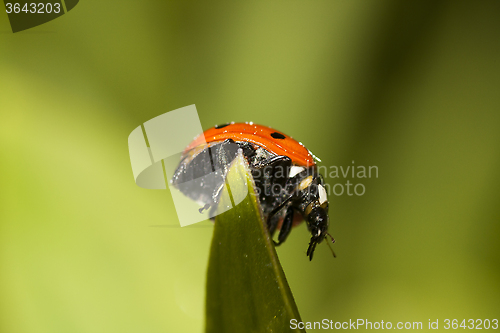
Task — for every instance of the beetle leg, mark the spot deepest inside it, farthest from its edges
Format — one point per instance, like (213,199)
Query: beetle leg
(272,224)
(277,209)
(286,227)
(311,248)
(271,175)
(207,206)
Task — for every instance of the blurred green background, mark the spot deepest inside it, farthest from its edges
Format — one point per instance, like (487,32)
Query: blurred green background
(410,87)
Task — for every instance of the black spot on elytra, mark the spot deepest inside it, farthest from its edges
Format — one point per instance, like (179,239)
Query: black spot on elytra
(277,135)
(221,126)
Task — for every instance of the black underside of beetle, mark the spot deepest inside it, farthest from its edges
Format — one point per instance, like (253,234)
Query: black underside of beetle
(202,171)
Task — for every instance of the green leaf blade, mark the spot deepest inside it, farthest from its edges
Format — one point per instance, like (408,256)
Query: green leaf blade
(246,287)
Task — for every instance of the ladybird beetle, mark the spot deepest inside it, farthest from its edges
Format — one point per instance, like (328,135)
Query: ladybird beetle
(285,174)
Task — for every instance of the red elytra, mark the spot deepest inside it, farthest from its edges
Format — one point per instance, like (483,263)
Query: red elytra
(263,136)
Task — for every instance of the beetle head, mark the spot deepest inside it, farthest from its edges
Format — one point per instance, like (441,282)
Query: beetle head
(317,222)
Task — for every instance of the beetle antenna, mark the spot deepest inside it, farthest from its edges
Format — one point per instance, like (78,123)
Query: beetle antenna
(333,239)
(328,243)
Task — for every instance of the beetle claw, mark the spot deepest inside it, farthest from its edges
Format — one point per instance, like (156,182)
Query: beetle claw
(207,206)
